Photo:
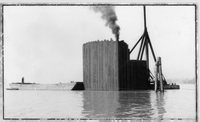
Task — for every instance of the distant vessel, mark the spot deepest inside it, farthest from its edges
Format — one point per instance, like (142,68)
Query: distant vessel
(36,86)
(12,88)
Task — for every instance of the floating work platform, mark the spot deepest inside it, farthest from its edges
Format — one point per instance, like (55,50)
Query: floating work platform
(166,87)
(56,87)
(37,86)
(171,86)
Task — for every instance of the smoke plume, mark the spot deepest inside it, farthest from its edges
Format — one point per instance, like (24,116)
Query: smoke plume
(108,14)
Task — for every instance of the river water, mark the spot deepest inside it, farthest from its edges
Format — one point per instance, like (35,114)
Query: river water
(172,104)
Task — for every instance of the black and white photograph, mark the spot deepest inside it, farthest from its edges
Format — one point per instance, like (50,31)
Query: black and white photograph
(99,61)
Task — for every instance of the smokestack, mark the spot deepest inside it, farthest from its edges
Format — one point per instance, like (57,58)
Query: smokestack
(108,14)
(22,80)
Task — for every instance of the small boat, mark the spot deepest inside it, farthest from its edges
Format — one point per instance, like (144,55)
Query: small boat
(12,89)
(173,86)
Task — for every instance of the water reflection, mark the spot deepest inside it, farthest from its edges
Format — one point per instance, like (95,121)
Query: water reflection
(160,103)
(100,104)
(117,104)
(134,104)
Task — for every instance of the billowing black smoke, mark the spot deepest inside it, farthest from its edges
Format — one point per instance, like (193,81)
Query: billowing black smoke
(108,14)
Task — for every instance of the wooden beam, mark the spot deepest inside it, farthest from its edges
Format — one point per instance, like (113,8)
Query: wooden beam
(142,50)
(144,7)
(151,47)
(147,53)
(141,45)
(136,44)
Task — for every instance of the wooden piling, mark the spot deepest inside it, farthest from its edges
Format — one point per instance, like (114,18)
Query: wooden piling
(158,76)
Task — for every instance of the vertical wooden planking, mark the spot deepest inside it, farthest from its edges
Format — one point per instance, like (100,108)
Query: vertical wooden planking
(115,60)
(84,63)
(85,66)
(93,68)
(132,75)
(126,61)
(106,66)
(86,82)
(90,67)
(116,66)
(128,79)
(97,46)
(95,64)
(112,63)
(109,85)
(112,66)
(119,63)
(123,57)
(122,64)
(101,65)
(83,56)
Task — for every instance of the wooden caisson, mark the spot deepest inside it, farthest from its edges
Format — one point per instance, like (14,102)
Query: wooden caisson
(107,66)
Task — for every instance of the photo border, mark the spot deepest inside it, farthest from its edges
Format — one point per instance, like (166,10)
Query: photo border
(81,4)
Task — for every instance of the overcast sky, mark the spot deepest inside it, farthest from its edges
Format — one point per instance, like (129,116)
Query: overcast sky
(44,43)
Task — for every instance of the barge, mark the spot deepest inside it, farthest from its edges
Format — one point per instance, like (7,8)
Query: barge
(37,86)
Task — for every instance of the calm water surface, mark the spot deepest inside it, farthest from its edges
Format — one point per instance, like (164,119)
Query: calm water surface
(101,104)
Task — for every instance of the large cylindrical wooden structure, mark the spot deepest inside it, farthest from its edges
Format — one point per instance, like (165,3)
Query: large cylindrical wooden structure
(107,66)
(100,65)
